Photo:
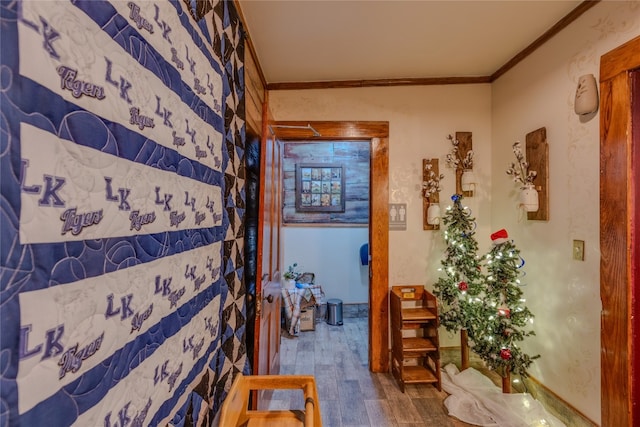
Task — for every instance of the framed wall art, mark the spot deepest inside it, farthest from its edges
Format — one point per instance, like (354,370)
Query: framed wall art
(319,187)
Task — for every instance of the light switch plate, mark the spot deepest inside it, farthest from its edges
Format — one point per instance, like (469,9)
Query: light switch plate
(578,250)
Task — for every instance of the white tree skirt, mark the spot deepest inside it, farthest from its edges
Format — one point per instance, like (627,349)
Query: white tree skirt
(474,399)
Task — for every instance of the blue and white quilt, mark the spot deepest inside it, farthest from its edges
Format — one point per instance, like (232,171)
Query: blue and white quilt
(120,208)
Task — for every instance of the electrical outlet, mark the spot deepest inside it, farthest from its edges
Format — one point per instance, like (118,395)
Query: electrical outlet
(578,250)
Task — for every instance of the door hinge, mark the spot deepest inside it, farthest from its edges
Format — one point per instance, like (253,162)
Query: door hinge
(259,305)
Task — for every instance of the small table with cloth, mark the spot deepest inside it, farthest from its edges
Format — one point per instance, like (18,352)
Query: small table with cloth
(295,299)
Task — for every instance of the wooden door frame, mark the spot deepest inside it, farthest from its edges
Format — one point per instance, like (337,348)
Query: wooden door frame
(268,246)
(618,238)
(378,134)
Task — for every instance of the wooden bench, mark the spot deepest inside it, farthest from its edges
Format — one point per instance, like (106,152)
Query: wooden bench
(235,412)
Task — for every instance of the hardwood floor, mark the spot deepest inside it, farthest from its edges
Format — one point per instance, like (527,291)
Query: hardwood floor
(349,394)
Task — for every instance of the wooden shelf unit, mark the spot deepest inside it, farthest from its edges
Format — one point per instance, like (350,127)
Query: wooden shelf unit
(415,346)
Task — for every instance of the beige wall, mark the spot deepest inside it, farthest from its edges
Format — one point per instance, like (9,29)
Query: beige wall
(333,255)
(561,292)
(420,118)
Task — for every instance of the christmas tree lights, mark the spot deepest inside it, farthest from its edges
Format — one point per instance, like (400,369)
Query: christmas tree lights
(459,292)
(488,307)
(495,338)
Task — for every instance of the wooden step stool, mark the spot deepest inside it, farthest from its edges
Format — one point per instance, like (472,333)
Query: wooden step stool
(235,412)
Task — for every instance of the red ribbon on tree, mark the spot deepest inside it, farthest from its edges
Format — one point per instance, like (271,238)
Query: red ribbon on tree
(505,354)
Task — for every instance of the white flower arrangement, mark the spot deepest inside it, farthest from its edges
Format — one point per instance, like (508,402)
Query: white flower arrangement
(432,184)
(453,158)
(520,172)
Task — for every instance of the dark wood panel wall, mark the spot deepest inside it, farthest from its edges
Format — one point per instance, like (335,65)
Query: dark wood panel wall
(254,95)
(354,156)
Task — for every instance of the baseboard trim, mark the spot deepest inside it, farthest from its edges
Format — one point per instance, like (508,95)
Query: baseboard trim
(549,398)
(353,310)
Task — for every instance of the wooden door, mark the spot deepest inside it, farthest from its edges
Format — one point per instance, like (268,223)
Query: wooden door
(266,356)
(378,134)
(635,252)
(619,263)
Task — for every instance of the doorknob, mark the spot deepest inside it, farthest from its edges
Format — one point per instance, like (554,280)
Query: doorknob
(269,298)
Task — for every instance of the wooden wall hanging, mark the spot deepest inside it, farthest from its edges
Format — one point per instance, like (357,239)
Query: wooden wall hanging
(537,152)
(465,145)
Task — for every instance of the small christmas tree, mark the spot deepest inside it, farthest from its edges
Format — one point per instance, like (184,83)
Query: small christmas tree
(497,332)
(459,290)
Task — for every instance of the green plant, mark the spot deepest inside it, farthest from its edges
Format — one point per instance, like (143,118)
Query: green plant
(291,273)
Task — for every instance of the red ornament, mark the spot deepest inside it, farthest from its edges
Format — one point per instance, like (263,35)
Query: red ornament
(505,312)
(463,286)
(505,354)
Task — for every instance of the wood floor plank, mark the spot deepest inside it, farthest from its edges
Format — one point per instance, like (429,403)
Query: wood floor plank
(424,390)
(326,381)
(306,345)
(404,411)
(350,395)
(282,395)
(297,400)
(391,388)
(305,363)
(345,368)
(352,409)
(287,369)
(380,413)
(371,388)
(330,410)
(279,405)
(324,353)
(429,409)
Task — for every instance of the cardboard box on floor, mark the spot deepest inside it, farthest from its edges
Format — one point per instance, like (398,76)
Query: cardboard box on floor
(308,319)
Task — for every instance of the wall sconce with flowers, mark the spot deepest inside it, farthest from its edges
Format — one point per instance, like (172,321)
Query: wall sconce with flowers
(532,173)
(431,178)
(460,158)
(521,174)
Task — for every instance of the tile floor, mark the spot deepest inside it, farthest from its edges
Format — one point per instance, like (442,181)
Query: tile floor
(349,394)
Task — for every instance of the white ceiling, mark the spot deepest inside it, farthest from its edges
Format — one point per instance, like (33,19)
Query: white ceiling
(322,40)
